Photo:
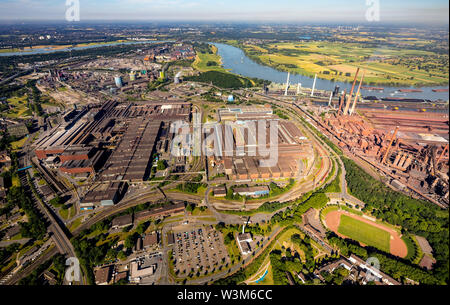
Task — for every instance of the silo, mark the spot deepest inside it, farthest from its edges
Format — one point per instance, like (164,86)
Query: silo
(118,81)
(132,76)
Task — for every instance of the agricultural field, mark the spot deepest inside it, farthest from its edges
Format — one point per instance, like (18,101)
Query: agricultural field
(364,233)
(339,61)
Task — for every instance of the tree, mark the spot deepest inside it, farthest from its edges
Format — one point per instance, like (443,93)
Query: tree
(122,256)
(142,227)
(161,165)
(190,207)
(130,241)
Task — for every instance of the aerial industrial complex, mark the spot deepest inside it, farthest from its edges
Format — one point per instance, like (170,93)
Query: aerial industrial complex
(149,160)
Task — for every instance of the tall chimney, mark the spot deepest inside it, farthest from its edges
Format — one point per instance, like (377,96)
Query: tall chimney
(287,84)
(342,100)
(314,86)
(357,93)
(351,93)
(331,98)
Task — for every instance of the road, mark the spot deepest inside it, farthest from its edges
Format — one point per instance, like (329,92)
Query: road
(57,230)
(238,266)
(152,195)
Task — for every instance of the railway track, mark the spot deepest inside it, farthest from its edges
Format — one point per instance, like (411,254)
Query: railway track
(26,271)
(58,235)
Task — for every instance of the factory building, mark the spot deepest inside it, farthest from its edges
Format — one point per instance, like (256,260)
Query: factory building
(253,191)
(104,195)
(244,113)
(236,148)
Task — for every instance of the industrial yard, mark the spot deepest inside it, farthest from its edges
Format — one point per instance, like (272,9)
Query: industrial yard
(157,162)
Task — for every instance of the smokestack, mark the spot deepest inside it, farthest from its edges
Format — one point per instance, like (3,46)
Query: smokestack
(298,88)
(331,98)
(342,100)
(347,105)
(390,144)
(351,93)
(287,84)
(357,93)
(314,86)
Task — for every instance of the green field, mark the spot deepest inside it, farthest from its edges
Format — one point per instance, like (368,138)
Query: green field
(19,108)
(202,60)
(18,144)
(413,249)
(339,61)
(364,233)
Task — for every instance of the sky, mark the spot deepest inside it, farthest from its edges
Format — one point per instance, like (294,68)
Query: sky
(402,11)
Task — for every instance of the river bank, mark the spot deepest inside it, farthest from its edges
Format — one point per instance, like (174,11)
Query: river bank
(281,58)
(236,61)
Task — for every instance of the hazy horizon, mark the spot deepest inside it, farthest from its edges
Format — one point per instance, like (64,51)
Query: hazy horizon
(433,12)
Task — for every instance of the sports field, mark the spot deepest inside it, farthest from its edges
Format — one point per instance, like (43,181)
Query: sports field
(364,233)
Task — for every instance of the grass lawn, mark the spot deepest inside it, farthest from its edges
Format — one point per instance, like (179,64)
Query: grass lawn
(64,213)
(75,224)
(268,279)
(19,108)
(11,264)
(72,210)
(198,212)
(412,247)
(364,233)
(15,180)
(18,144)
(17,237)
(328,209)
(419,254)
(202,59)
(208,218)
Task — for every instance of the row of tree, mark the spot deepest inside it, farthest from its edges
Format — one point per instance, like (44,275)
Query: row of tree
(412,215)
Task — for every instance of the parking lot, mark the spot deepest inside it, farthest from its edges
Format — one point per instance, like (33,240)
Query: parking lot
(199,251)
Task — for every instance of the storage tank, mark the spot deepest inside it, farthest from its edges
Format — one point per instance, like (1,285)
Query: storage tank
(132,76)
(118,81)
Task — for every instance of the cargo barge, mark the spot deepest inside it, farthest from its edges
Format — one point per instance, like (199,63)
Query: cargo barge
(372,88)
(409,90)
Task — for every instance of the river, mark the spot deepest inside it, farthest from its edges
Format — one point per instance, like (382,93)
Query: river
(235,59)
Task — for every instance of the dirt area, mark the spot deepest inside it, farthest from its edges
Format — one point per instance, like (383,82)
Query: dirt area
(397,245)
